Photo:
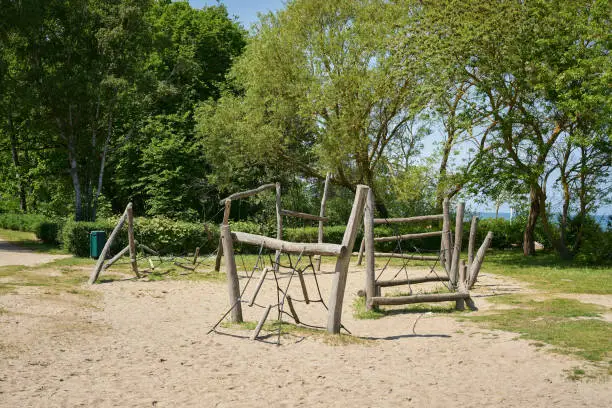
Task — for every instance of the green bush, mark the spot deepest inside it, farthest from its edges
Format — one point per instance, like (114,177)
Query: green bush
(49,231)
(46,229)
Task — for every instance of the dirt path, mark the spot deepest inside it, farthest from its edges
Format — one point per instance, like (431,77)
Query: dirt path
(144,344)
(14,255)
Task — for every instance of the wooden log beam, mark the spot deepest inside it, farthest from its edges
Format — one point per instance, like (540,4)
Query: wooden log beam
(233,285)
(261,323)
(425,298)
(404,256)
(460,303)
(248,193)
(411,281)
(360,253)
(368,237)
(303,285)
(409,236)
(478,260)
(454,272)
(334,315)
(419,218)
(149,250)
(96,271)
(226,214)
(279,222)
(305,216)
(322,214)
(286,246)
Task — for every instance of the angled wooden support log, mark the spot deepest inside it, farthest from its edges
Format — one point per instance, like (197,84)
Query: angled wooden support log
(303,285)
(334,315)
(96,271)
(360,253)
(149,250)
(478,260)
(322,214)
(419,218)
(292,310)
(233,285)
(260,282)
(261,323)
(116,257)
(226,213)
(409,236)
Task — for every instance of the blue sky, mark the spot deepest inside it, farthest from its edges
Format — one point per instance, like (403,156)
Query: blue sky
(245,10)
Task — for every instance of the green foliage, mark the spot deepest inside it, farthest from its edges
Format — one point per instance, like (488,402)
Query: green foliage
(46,229)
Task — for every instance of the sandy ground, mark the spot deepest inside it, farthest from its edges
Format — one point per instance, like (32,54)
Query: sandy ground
(14,255)
(144,344)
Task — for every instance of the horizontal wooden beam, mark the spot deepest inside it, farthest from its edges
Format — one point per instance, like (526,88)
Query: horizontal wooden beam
(248,193)
(411,281)
(409,219)
(305,216)
(425,298)
(409,236)
(286,246)
(411,256)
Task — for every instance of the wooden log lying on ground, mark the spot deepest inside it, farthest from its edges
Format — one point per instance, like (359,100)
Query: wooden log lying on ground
(477,264)
(424,298)
(248,193)
(305,216)
(181,265)
(261,323)
(96,271)
(409,236)
(286,246)
(411,281)
(420,218)
(414,257)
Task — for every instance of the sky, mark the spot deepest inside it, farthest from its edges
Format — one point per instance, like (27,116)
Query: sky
(245,10)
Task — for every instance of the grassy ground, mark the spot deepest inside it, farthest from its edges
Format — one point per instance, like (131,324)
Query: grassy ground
(28,240)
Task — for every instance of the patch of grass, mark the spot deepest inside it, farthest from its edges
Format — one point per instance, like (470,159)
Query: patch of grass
(546,271)
(291,329)
(569,325)
(28,240)
(360,312)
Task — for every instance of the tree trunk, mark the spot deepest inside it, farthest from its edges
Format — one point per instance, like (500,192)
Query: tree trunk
(528,235)
(559,246)
(15,156)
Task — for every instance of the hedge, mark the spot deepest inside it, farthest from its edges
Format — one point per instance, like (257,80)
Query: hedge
(46,229)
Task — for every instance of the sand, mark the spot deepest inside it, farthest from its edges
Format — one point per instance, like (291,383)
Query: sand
(13,255)
(144,344)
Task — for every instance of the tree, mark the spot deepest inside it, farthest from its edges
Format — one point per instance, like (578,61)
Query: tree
(321,88)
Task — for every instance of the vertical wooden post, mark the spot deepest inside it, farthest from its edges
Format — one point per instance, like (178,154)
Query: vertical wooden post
(472,241)
(132,243)
(96,271)
(334,315)
(195,256)
(475,269)
(233,285)
(361,250)
(226,214)
(368,237)
(446,249)
(322,214)
(279,223)
(460,303)
(454,275)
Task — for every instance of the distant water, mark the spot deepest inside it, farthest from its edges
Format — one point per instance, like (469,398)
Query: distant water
(602,219)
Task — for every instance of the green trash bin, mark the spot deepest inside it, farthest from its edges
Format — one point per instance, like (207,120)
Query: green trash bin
(97,240)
